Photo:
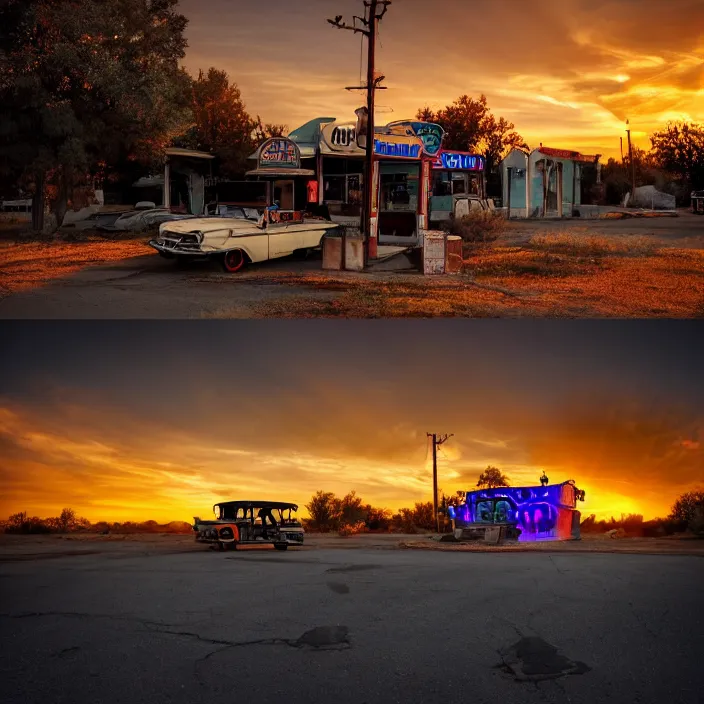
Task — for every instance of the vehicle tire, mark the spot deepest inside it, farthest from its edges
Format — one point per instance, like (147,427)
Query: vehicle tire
(234,260)
(281,546)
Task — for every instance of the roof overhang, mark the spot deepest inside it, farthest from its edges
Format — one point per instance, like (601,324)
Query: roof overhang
(187,153)
(281,172)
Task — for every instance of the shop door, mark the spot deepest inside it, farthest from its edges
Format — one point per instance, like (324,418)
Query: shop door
(399,201)
(283,194)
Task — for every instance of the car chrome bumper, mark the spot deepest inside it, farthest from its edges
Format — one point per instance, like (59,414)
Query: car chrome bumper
(177,250)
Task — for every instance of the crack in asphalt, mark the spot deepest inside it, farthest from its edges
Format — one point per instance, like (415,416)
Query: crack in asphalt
(555,565)
(320,638)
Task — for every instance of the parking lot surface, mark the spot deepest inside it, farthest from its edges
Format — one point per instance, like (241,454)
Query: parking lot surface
(340,625)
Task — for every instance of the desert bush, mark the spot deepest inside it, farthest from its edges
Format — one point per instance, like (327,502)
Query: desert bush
(689,510)
(478,228)
(378,519)
(403,521)
(352,528)
(325,511)
(591,245)
(632,524)
(696,522)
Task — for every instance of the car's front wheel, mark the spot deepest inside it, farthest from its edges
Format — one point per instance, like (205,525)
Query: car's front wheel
(281,546)
(234,261)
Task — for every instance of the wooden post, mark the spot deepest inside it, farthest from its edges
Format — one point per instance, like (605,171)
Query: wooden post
(508,192)
(529,186)
(435,482)
(38,202)
(370,249)
(167,184)
(633,166)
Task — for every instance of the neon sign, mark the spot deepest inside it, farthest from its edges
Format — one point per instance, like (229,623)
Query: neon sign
(280,152)
(401,149)
(540,512)
(430,134)
(459,161)
(345,136)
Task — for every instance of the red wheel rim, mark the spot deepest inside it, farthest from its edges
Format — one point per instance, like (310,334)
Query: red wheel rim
(234,260)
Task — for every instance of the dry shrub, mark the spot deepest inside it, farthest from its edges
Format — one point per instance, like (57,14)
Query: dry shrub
(348,529)
(478,228)
(591,245)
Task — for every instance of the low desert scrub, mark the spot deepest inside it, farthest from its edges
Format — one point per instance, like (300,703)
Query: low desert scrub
(478,229)
(31,264)
(591,245)
(352,529)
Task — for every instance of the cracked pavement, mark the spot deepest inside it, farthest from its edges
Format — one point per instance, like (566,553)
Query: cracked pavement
(394,626)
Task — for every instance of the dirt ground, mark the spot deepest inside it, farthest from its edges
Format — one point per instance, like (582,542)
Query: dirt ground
(15,548)
(637,267)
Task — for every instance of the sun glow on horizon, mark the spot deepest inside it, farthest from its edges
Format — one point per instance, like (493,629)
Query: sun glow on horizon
(122,479)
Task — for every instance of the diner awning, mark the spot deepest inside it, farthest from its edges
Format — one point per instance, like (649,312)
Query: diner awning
(281,172)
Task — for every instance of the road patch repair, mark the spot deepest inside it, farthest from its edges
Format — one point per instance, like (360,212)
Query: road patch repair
(531,659)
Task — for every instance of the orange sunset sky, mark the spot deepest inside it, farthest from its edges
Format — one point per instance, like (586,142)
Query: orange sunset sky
(567,72)
(139,421)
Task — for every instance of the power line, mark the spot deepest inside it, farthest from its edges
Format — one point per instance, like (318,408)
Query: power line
(374,11)
(438,440)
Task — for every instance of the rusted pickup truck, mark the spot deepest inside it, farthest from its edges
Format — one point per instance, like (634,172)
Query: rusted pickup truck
(250,523)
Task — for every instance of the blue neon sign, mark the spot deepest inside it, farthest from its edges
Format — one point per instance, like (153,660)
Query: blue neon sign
(408,151)
(457,160)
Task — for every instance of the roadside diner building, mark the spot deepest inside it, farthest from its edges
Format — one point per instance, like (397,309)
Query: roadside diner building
(547,182)
(320,167)
(454,174)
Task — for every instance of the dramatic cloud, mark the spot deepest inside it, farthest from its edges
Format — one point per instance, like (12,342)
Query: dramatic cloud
(567,72)
(111,425)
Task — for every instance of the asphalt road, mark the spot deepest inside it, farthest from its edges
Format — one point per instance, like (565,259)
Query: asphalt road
(352,626)
(153,287)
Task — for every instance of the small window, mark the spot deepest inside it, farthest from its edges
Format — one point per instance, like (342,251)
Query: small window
(459,187)
(441,184)
(334,189)
(354,189)
(485,512)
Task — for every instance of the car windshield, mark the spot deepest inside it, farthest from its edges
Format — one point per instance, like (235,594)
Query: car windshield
(233,211)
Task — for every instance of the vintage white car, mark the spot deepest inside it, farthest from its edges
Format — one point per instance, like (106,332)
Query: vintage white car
(237,241)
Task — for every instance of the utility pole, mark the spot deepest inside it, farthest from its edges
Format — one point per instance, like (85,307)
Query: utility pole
(374,12)
(437,441)
(630,158)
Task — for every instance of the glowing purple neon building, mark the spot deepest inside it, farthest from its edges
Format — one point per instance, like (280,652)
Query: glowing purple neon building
(539,512)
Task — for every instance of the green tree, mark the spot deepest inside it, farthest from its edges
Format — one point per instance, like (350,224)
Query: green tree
(679,148)
(83,83)
(353,509)
(263,131)
(470,126)
(491,478)
(221,123)
(67,520)
(378,518)
(325,511)
(423,516)
(16,521)
(689,510)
